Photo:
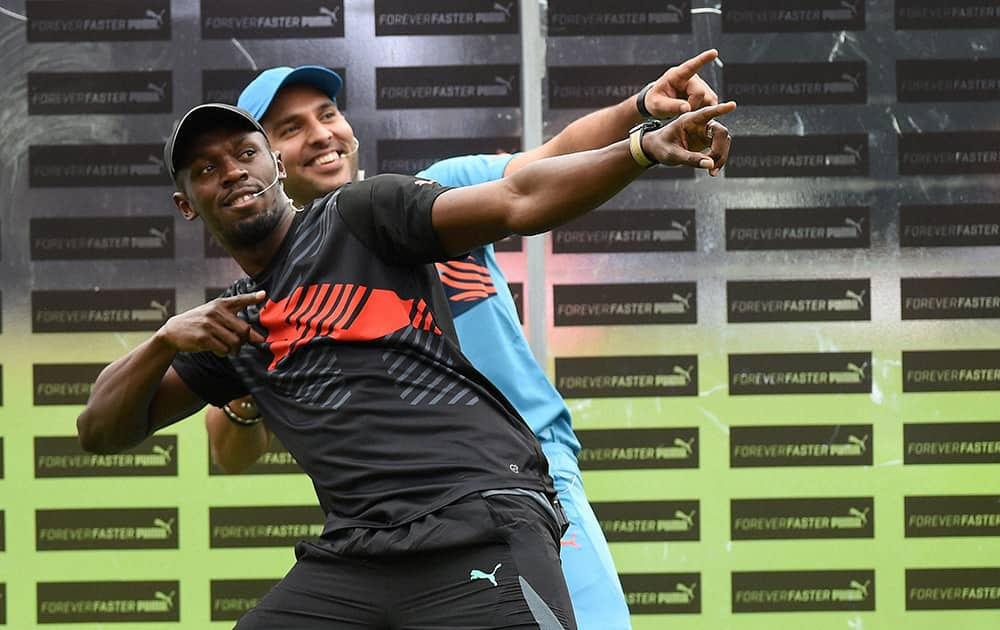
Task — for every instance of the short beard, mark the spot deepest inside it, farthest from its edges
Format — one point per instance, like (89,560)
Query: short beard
(248,233)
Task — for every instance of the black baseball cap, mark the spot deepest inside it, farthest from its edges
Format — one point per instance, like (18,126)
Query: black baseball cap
(201,118)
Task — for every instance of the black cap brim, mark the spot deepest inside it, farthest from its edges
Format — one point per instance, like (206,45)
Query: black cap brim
(199,119)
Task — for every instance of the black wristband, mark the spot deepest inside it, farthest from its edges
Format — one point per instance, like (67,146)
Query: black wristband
(640,100)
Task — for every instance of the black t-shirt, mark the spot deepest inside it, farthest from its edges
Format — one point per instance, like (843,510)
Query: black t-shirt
(361,376)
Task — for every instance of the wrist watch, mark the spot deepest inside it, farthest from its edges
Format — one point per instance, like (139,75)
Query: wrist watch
(635,135)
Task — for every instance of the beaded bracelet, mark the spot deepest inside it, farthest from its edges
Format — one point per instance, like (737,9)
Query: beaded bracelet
(243,422)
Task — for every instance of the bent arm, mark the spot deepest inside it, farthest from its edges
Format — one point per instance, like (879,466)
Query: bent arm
(676,91)
(552,191)
(133,397)
(234,447)
(140,393)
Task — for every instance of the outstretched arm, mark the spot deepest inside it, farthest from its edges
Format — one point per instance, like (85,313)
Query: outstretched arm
(677,91)
(555,190)
(140,393)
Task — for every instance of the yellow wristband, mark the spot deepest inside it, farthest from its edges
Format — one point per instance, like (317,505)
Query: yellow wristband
(635,148)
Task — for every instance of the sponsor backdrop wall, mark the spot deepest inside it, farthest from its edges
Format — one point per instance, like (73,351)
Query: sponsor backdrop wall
(785,379)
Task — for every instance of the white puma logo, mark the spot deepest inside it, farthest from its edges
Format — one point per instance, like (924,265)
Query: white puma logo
(684,300)
(683,227)
(506,8)
(156,15)
(167,526)
(165,453)
(858,369)
(857,225)
(687,518)
(685,374)
(159,88)
(167,598)
(331,14)
(859,514)
(687,446)
(861,443)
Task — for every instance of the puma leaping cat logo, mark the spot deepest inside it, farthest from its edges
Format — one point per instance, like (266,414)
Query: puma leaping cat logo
(156,15)
(476,574)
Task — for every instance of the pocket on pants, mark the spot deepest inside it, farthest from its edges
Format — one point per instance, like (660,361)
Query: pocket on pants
(518,509)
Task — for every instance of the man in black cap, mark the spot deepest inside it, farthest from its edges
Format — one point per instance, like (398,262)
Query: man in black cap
(299,111)
(439,509)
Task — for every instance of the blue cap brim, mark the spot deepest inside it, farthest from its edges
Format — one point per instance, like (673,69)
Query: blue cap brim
(258,95)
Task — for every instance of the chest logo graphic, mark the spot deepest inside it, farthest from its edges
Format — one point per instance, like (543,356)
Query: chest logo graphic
(476,574)
(344,312)
(466,280)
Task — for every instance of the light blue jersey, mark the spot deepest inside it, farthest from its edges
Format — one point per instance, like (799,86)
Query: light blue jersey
(491,337)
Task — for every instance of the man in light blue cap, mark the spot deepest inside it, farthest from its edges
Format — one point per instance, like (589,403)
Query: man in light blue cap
(297,108)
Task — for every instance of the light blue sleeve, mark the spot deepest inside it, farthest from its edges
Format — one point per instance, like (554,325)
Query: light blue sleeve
(490,333)
(467,170)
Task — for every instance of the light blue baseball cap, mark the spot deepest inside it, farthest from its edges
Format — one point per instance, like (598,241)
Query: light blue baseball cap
(257,96)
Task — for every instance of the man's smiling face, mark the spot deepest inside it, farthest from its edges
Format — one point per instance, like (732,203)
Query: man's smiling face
(316,142)
(222,171)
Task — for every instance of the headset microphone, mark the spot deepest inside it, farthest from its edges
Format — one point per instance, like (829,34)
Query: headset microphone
(357,145)
(274,157)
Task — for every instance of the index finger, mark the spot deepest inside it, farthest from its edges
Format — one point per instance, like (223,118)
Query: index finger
(236,302)
(691,67)
(706,114)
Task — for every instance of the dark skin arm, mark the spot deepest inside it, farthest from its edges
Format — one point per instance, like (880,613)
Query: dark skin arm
(140,393)
(235,447)
(553,191)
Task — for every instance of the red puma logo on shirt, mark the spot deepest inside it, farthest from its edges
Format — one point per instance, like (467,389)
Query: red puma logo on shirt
(570,542)
(346,312)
